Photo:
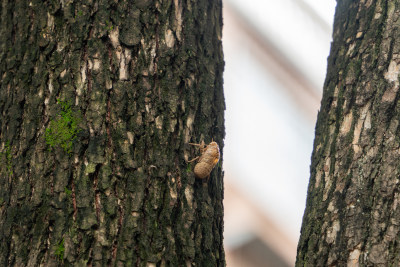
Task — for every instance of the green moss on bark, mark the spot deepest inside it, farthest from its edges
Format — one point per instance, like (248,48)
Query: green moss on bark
(63,130)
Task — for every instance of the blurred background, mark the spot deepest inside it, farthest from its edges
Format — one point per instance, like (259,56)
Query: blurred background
(276,57)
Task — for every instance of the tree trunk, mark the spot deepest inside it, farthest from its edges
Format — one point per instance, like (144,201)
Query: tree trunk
(352,215)
(98,102)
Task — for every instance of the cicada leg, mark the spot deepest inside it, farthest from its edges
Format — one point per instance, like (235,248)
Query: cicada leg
(194,144)
(194,159)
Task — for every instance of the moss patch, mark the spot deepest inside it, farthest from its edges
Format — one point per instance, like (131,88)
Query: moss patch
(63,129)
(60,251)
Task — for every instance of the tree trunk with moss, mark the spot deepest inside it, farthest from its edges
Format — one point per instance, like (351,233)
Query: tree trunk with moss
(352,216)
(98,102)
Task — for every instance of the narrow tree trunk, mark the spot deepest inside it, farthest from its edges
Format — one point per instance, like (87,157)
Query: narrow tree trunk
(353,214)
(98,102)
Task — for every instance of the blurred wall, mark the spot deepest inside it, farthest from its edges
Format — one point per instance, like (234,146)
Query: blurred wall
(275,66)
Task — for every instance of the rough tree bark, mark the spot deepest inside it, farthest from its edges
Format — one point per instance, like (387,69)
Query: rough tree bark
(98,101)
(352,215)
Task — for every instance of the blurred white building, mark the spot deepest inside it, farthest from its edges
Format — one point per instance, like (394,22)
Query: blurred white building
(275,53)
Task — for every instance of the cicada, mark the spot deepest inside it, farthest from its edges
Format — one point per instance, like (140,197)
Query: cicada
(207,160)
